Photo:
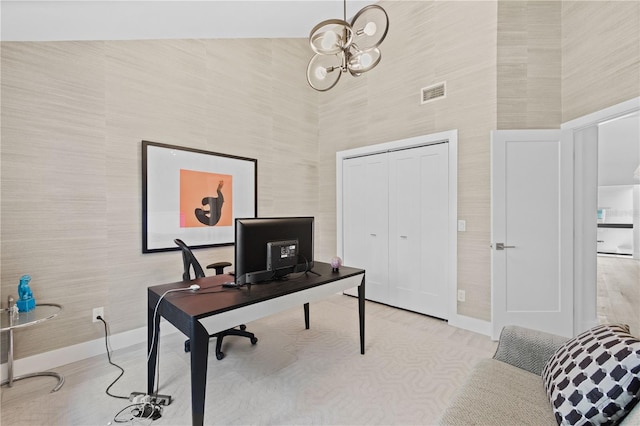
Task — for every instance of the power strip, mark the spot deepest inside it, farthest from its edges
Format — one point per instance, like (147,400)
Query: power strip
(141,397)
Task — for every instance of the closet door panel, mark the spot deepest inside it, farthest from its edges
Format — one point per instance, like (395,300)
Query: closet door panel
(404,204)
(366,221)
(418,235)
(434,230)
(353,208)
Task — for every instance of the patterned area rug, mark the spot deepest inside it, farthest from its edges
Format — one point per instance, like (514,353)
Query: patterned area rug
(412,366)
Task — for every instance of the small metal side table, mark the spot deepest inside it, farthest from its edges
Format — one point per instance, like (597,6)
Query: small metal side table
(9,322)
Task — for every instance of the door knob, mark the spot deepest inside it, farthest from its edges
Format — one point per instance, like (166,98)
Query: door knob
(501,246)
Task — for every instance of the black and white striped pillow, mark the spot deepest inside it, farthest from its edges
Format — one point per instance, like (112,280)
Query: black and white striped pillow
(594,378)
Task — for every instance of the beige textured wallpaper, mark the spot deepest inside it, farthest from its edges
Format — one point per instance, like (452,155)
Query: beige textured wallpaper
(54,185)
(529,64)
(73,115)
(600,55)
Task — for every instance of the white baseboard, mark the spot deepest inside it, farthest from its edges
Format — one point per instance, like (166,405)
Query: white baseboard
(63,356)
(460,321)
(471,324)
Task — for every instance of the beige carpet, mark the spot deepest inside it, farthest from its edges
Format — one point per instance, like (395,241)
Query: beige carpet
(293,376)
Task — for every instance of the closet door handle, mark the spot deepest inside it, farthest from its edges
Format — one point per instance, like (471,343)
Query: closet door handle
(374,235)
(501,246)
(404,237)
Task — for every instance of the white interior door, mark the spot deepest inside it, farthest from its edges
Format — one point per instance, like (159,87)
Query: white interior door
(532,232)
(366,220)
(419,229)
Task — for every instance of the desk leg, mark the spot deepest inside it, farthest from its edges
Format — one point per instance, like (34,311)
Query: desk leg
(153,329)
(199,357)
(306,316)
(361,313)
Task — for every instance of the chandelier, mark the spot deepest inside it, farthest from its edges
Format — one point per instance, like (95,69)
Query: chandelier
(340,47)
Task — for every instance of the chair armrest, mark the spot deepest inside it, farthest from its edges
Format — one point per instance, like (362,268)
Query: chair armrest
(526,348)
(219,267)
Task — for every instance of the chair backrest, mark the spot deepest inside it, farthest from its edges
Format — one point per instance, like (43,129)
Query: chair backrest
(189,261)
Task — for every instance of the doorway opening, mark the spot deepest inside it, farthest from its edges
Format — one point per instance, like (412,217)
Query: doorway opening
(618,248)
(606,283)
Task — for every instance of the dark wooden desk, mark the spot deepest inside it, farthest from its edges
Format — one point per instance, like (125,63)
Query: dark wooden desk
(208,310)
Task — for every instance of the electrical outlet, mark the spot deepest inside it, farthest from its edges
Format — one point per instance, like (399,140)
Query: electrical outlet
(462,225)
(97,312)
(461,296)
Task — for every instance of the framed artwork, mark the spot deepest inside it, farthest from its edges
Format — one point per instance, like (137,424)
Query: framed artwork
(194,195)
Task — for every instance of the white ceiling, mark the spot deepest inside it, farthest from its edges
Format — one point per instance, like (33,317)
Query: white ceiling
(49,20)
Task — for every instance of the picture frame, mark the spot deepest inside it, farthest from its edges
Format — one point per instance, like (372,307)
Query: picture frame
(194,195)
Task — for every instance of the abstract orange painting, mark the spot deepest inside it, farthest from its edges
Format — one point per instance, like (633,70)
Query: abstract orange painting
(206,199)
(194,195)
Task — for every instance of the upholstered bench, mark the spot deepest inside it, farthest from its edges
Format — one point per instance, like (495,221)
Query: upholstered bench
(537,378)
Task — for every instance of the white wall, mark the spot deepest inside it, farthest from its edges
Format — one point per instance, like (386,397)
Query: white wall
(617,202)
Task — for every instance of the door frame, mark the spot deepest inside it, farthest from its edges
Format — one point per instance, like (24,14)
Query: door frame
(585,279)
(450,137)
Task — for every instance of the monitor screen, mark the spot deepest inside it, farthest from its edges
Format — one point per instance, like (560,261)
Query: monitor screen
(270,248)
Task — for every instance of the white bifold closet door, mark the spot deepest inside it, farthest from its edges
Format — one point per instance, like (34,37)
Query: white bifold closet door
(418,229)
(366,221)
(395,226)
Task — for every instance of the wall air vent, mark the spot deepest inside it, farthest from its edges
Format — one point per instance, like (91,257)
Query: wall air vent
(433,92)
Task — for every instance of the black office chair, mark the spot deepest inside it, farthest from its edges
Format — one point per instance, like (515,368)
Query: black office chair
(190,261)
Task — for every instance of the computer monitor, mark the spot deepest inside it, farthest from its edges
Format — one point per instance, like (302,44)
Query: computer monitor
(287,241)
